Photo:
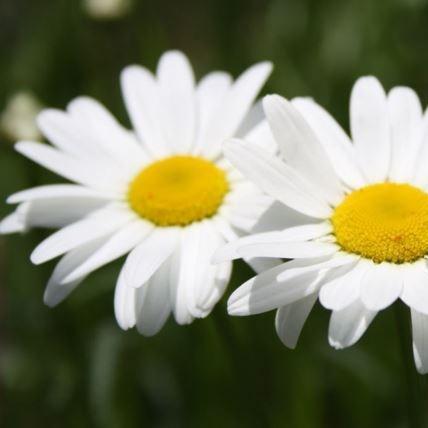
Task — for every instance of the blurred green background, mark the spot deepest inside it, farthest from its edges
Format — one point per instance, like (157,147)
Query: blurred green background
(72,366)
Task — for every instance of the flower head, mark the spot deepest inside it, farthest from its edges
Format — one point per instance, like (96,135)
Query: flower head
(356,220)
(163,195)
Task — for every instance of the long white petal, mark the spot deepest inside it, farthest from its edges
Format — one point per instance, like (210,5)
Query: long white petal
(57,191)
(12,224)
(336,143)
(210,93)
(405,114)
(420,340)
(100,223)
(56,291)
(305,232)
(125,303)
(349,324)
(415,289)
(235,106)
(289,320)
(153,302)
(342,291)
(148,256)
(289,250)
(276,178)
(381,285)
(178,101)
(178,291)
(370,128)
(300,147)
(81,171)
(264,292)
(119,244)
(141,95)
(100,128)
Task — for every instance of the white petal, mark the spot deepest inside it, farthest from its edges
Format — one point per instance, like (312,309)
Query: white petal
(264,292)
(370,128)
(178,103)
(420,340)
(299,266)
(178,291)
(290,320)
(12,224)
(420,176)
(119,244)
(335,142)
(300,147)
(153,302)
(142,100)
(101,129)
(279,217)
(276,178)
(405,115)
(292,234)
(262,137)
(100,223)
(124,303)
(235,106)
(210,93)
(288,250)
(349,324)
(147,257)
(381,285)
(56,292)
(254,117)
(342,291)
(84,171)
(415,290)
(56,191)
(63,132)
(57,212)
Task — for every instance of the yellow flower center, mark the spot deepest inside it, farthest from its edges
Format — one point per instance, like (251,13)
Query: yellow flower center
(384,222)
(178,190)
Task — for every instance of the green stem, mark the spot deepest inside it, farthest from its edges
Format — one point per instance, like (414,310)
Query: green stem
(412,378)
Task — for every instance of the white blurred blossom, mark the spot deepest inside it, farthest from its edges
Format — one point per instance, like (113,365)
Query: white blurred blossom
(18,119)
(107,9)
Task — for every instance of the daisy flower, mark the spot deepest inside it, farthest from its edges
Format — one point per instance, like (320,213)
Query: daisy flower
(164,193)
(356,229)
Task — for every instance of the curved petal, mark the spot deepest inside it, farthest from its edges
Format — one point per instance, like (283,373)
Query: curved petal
(335,142)
(341,292)
(290,319)
(415,289)
(97,225)
(420,340)
(405,115)
(349,324)
(153,302)
(148,256)
(235,106)
(178,103)
(56,291)
(124,303)
(300,147)
(370,128)
(141,95)
(381,285)
(276,178)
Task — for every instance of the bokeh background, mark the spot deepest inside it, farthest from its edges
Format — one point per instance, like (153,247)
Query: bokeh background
(72,366)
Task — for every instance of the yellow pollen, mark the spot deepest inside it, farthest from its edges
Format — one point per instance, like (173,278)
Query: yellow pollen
(178,190)
(384,222)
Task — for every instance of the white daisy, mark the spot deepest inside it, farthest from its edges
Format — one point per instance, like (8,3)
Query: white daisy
(357,221)
(164,194)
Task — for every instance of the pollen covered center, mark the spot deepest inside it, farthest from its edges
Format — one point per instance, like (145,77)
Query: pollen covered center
(178,190)
(384,222)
